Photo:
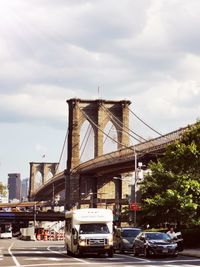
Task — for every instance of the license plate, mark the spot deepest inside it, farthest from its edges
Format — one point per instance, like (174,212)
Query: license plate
(165,250)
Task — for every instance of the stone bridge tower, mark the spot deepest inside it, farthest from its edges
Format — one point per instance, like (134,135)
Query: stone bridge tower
(99,112)
(44,169)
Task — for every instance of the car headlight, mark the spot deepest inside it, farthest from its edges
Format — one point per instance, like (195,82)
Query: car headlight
(125,241)
(110,241)
(82,242)
(152,245)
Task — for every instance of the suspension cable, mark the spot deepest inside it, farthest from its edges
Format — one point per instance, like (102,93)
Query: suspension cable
(118,122)
(88,135)
(108,134)
(84,136)
(144,122)
(104,132)
(63,147)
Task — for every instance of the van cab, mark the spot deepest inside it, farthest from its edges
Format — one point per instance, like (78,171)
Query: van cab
(89,231)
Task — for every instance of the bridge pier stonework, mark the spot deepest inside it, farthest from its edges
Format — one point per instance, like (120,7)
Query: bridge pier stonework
(98,113)
(46,171)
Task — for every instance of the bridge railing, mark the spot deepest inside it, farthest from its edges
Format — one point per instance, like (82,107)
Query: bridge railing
(144,147)
(54,178)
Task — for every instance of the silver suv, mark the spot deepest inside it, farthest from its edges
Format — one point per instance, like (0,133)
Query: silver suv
(123,238)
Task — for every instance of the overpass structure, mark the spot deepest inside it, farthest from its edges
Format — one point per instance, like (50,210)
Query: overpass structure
(96,177)
(25,217)
(24,204)
(30,212)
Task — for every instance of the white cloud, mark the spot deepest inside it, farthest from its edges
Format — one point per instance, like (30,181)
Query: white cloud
(146,51)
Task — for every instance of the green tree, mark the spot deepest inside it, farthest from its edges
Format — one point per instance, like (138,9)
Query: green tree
(2,189)
(171,191)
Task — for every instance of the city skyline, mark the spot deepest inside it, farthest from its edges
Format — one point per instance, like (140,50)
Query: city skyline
(52,51)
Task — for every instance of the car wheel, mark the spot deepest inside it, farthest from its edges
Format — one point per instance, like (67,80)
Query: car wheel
(79,253)
(146,252)
(110,253)
(135,253)
(121,249)
(175,254)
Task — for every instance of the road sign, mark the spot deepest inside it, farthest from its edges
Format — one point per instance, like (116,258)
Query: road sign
(134,206)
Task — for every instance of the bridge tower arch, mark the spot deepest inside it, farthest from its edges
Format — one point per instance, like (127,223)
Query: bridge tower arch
(44,168)
(98,113)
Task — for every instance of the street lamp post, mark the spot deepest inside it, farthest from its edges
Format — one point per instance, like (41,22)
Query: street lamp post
(34,216)
(138,168)
(135,182)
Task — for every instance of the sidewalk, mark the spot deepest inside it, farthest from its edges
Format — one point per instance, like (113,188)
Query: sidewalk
(191,252)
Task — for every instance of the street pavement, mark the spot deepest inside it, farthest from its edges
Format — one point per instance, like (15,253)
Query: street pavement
(194,252)
(52,253)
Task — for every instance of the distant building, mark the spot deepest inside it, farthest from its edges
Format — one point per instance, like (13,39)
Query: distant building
(25,188)
(14,186)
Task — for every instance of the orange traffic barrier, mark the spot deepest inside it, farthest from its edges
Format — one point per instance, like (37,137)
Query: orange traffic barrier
(38,237)
(46,235)
(52,236)
(60,236)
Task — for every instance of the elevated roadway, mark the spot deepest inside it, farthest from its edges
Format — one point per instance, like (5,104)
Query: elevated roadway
(113,163)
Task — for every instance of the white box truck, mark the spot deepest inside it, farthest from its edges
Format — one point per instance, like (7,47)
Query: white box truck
(89,231)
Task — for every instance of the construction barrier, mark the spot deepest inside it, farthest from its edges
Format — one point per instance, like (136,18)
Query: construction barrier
(38,237)
(46,235)
(52,236)
(60,236)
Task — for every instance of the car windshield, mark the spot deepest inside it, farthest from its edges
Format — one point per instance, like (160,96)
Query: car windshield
(157,236)
(98,228)
(130,232)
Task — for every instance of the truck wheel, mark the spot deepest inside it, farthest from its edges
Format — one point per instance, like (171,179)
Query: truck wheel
(69,253)
(121,249)
(79,253)
(146,252)
(110,253)
(135,253)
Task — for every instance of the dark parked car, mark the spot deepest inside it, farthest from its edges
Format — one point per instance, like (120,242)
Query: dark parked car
(154,243)
(124,237)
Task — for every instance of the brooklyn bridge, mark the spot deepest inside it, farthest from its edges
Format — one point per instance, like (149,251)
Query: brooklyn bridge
(104,179)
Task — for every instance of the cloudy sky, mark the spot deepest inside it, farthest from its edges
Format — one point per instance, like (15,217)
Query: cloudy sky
(147,51)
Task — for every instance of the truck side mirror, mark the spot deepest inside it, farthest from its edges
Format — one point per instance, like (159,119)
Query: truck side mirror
(142,238)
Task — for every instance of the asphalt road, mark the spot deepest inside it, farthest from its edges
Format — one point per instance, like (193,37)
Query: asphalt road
(46,254)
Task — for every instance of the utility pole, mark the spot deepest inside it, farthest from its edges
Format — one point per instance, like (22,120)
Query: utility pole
(135,188)
(34,216)
(53,196)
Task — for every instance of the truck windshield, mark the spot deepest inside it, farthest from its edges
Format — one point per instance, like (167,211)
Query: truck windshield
(98,228)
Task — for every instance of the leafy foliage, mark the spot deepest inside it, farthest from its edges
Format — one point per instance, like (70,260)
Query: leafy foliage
(2,189)
(171,191)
